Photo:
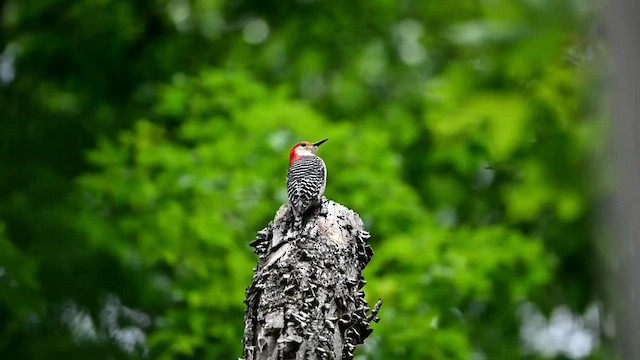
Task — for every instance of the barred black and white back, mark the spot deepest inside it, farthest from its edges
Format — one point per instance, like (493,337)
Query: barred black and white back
(306,182)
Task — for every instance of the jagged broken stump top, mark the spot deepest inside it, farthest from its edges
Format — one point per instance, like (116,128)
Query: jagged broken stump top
(306,299)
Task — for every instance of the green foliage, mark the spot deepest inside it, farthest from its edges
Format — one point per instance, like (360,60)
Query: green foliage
(18,284)
(141,160)
(183,201)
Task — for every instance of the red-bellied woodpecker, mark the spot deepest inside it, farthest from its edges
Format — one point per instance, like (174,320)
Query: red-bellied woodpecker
(306,179)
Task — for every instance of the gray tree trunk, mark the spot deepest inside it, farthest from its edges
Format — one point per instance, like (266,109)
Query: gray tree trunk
(305,301)
(623,27)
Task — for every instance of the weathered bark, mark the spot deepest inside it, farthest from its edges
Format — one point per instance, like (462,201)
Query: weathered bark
(305,301)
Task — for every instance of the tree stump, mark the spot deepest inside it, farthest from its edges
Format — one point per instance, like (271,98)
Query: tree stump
(306,299)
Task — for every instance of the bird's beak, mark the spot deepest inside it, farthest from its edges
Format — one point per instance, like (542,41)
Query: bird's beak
(320,142)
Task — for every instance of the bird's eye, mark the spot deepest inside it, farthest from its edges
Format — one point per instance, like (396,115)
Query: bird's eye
(303,145)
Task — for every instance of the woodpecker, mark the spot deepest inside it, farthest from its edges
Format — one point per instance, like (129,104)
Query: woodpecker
(306,179)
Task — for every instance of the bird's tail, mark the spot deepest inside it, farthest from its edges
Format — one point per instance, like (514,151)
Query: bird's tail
(297,223)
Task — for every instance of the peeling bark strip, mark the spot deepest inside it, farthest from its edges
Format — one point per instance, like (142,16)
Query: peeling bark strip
(305,301)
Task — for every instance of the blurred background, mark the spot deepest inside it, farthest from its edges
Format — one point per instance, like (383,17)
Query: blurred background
(144,143)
